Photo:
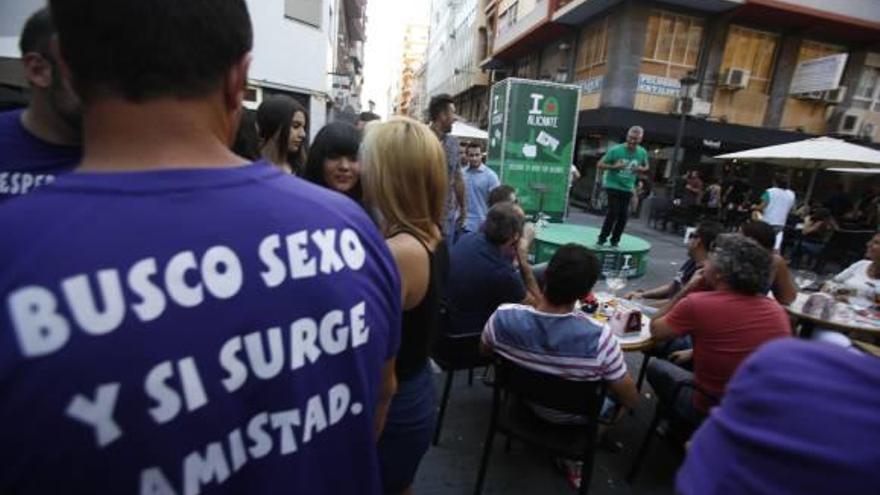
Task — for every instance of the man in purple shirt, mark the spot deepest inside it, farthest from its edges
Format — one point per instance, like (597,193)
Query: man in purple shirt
(41,141)
(798,417)
(173,319)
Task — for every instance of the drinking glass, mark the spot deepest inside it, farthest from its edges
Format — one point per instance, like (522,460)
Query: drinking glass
(804,278)
(615,280)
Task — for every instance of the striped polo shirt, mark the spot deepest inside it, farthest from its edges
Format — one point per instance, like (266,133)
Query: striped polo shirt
(567,345)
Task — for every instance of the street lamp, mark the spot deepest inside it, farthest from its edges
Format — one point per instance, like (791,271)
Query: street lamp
(686,103)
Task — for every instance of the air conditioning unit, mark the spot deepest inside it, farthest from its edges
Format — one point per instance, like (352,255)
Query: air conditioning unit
(835,96)
(812,95)
(867,131)
(735,78)
(253,96)
(850,123)
(699,107)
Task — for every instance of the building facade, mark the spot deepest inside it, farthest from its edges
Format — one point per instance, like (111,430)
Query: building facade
(311,50)
(458,44)
(754,65)
(404,84)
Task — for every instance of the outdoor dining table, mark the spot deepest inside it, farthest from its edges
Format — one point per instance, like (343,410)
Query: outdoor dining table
(629,342)
(850,323)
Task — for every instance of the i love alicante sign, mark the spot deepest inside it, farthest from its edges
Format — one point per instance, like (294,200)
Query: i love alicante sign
(532,127)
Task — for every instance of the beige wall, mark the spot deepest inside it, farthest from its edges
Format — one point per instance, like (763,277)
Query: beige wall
(590,101)
(654,103)
(740,107)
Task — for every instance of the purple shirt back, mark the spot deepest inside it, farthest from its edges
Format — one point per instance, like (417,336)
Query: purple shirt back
(28,162)
(798,417)
(192,331)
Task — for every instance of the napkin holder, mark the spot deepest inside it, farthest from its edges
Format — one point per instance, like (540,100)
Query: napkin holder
(819,306)
(626,322)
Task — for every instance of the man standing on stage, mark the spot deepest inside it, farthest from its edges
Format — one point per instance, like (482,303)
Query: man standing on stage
(622,163)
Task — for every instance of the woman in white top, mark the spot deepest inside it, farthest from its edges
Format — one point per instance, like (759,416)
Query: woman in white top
(863,277)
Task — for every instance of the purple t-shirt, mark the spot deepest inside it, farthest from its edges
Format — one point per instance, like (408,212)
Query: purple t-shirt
(28,162)
(798,417)
(192,331)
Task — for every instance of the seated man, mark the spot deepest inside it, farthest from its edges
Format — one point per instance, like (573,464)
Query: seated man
(483,275)
(699,245)
(783,432)
(727,323)
(537,337)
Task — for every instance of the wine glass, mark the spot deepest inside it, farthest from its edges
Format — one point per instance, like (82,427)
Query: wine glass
(615,280)
(804,278)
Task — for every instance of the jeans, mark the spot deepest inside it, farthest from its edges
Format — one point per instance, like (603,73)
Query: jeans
(664,376)
(615,219)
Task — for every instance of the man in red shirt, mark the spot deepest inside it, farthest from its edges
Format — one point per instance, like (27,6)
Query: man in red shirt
(727,322)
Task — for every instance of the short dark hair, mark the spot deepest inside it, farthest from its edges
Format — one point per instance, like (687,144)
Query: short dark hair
(438,105)
(335,140)
(760,231)
(368,117)
(274,116)
(707,232)
(781,181)
(503,223)
(37,33)
(474,145)
(500,194)
(148,49)
(820,214)
(570,275)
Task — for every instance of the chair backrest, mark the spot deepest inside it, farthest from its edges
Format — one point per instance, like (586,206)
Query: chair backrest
(458,351)
(575,397)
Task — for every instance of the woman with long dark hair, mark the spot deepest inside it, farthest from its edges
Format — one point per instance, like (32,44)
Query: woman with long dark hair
(333,161)
(282,124)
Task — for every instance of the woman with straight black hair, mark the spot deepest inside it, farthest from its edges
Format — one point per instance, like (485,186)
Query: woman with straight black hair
(282,124)
(333,159)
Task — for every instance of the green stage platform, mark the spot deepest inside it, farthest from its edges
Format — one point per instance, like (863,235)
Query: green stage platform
(632,250)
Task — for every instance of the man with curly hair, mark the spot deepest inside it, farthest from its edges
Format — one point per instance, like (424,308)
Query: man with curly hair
(727,323)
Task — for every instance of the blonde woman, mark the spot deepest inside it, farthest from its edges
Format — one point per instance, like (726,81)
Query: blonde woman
(405,183)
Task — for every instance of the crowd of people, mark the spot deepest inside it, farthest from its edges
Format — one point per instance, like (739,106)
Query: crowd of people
(206,300)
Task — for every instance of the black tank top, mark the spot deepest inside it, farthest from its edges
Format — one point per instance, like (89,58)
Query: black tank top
(421,324)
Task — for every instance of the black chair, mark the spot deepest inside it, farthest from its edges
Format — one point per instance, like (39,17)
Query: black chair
(684,426)
(455,353)
(510,416)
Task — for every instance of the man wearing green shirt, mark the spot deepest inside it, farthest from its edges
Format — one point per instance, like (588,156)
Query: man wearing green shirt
(621,164)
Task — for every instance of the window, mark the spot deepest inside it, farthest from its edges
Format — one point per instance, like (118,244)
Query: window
(672,46)
(753,51)
(867,93)
(307,11)
(592,51)
(507,19)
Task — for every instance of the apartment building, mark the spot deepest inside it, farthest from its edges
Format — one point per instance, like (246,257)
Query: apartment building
(764,71)
(457,45)
(311,50)
(413,50)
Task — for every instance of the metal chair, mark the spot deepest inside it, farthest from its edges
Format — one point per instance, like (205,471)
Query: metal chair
(455,353)
(514,385)
(667,411)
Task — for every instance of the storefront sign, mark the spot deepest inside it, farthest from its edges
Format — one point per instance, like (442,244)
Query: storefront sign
(818,74)
(531,141)
(660,86)
(592,85)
